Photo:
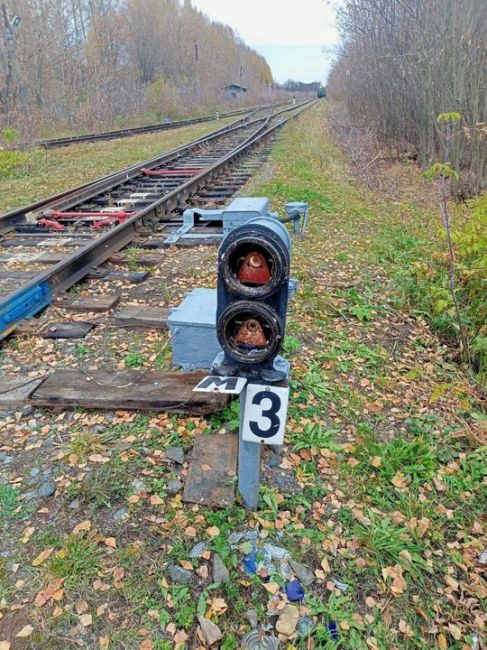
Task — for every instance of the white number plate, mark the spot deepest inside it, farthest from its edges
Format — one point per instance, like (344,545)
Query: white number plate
(215,384)
(265,414)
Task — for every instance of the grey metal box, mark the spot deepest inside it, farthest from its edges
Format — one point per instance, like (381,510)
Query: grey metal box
(193,330)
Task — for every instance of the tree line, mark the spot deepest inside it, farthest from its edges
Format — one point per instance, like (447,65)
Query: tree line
(80,64)
(403,63)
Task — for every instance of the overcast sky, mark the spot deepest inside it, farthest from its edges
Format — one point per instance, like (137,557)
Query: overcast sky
(291,34)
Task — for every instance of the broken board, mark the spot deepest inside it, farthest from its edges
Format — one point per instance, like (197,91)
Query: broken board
(212,471)
(128,390)
(68,330)
(94,303)
(14,392)
(142,316)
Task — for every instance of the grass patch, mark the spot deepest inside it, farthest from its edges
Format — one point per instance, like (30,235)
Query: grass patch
(77,562)
(8,503)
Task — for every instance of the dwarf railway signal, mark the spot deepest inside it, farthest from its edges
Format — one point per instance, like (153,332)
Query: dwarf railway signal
(252,300)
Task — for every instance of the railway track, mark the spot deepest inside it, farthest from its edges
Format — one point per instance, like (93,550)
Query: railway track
(151,128)
(49,246)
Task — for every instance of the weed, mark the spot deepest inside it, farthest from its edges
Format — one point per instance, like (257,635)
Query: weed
(8,503)
(81,350)
(85,443)
(103,486)
(134,360)
(291,344)
(77,562)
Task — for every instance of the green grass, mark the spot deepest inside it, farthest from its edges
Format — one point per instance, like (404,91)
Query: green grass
(8,503)
(77,561)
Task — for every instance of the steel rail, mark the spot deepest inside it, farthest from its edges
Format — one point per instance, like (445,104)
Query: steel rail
(10,220)
(40,291)
(137,130)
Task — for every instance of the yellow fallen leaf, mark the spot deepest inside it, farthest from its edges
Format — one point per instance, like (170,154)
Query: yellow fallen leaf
(218,606)
(271,587)
(42,557)
(5,645)
(213,531)
(186,565)
(57,595)
(325,565)
(133,498)
(86,620)
(110,542)
(455,631)
(82,527)
(104,642)
(28,532)
(25,632)
(376,461)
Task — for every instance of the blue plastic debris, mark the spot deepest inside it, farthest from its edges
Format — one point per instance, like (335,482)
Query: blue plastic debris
(249,563)
(333,630)
(294,591)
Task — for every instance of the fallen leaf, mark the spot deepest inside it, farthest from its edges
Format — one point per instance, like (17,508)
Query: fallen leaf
(205,467)
(5,645)
(28,532)
(376,461)
(190,531)
(213,531)
(156,500)
(118,573)
(25,632)
(104,642)
(81,606)
(218,606)
(86,620)
(146,645)
(46,594)
(399,481)
(111,542)
(42,557)
(271,587)
(82,527)
(455,631)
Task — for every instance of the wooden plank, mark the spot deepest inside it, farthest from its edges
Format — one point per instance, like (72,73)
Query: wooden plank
(16,275)
(128,390)
(141,316)
(212,470)
(68,330)
(15,391)
(94,303)
(134,277)
(49,258)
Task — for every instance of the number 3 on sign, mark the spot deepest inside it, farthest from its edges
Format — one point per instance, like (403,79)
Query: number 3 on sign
(265,414)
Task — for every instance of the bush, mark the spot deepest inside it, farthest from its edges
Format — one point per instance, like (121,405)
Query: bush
(421,273)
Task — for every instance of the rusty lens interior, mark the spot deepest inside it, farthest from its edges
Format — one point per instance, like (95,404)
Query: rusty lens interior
(251,265)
